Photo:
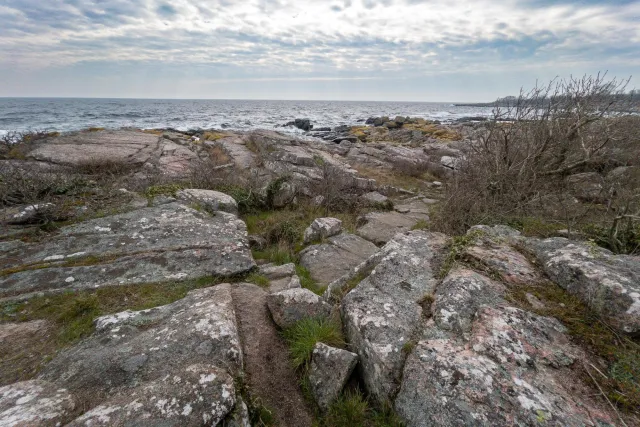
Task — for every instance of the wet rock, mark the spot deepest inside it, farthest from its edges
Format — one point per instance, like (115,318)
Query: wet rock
(211,201)
(303,124)
(330,370)
(380,227)
(609,284)
(391,125)
(342,253)
(153,244)
(512,372)
(321,228)
(292,305)
(152,351)
(194,396)
(36,402)
(383,312)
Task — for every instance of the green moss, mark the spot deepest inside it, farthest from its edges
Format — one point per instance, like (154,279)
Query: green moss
(408,346)
(304,335)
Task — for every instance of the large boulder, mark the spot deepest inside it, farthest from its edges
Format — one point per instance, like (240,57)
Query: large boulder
(342,252)
(588,186)
(211,201)
(176,362)
(609,284)
(36,402)
(383,312)
(154,244)
(329,372)
(290,306)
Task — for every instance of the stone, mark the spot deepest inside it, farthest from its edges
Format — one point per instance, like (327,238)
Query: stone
(380,227)
(194,396)
(341,129)
(321,228)
(383,312)
(211,201)
(273,272)
(391,125)
(329,372)
(400,120)
(176,361)
(373,198)
(36,402)
(534,301)
(512,371)
(154,244)
(609,284)
(492,250)
(240,416)
(292,305)
(460,295)
(587,187)
(342,253)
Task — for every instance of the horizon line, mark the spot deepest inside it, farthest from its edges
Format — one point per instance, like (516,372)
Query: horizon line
(245,99)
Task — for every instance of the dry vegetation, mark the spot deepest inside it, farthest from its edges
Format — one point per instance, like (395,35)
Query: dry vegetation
(570,135)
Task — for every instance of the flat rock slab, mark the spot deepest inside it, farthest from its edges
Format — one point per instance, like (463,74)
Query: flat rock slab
(513,370)
(154,244)
(131,147)
(176,361)
(381,227)
(336,257)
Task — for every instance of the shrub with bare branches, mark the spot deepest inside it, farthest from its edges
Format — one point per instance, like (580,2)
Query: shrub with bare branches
(519,166)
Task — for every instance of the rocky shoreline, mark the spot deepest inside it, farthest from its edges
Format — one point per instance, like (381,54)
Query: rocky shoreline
(429,329)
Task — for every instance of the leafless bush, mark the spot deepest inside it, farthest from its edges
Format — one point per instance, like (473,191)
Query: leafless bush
(16,145)
(518,168)
(338,191)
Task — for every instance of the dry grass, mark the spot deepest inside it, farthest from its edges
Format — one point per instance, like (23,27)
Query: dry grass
(395,178)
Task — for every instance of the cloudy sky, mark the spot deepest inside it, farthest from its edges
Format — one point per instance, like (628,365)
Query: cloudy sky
(414,50)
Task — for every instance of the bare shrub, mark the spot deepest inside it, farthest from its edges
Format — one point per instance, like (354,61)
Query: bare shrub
(337,190)
(16,145)
(518,167)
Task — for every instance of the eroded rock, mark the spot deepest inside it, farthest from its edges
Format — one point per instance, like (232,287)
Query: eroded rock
(321,228)
(329,372)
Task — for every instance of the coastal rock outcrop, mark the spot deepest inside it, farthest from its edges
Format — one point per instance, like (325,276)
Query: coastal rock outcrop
(153,244)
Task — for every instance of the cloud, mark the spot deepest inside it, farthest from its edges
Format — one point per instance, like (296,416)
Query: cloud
(274,39)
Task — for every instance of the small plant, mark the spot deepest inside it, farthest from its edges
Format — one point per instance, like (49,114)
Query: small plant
(162,190)
(421,225)
(353,409)
(307,282)
(258,279)
(408,347)
(304,335)
(456,248)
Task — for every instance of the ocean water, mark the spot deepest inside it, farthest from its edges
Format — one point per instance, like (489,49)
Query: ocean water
(68,114)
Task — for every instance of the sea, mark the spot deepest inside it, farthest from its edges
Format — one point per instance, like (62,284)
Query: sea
(70,114)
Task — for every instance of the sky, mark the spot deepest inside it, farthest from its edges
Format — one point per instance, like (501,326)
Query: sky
(401,50)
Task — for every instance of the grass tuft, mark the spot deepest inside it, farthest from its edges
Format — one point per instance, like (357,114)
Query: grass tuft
(304,335)
(353,409)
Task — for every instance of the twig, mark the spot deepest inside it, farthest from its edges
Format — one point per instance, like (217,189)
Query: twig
(604,395)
